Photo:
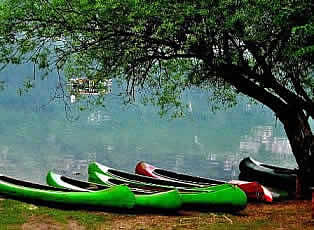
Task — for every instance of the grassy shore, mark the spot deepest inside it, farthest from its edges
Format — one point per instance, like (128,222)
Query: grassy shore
(284,215)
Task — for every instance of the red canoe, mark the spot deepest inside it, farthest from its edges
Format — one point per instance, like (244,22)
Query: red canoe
(253,190)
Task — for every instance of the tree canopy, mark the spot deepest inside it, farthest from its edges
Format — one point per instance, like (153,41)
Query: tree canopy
(166,46)
(263,49)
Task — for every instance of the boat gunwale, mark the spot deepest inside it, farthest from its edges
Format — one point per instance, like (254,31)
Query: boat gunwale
(126,175)
(165,174)
(27,184)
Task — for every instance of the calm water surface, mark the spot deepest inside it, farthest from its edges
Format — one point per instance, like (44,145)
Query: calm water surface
(36,135)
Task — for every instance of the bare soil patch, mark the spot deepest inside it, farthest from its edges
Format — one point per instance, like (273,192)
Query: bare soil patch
(285,215)
(46,223)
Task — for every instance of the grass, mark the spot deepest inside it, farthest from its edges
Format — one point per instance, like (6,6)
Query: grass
(290,215)
(15,214)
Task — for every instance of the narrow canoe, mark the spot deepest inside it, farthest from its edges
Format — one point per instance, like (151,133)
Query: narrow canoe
(269,175)
(218,196)
(145,169)
(97,167)
(115,197)
(167,200)
(253,190)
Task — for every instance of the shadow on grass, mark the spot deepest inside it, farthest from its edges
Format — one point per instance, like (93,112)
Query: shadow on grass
(183,211)
(78,207)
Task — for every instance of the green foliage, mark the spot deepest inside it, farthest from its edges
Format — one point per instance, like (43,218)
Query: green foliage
(27,86)
(2,85)
(160,48)
(306,30)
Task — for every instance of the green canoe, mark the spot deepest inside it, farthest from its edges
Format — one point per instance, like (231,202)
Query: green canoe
(97,167)
(143,198)
(115,197)
(218,196)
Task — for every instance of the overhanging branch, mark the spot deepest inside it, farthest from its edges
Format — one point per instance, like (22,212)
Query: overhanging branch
(234,76)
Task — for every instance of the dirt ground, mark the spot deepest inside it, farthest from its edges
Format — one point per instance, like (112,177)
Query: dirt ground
(285,215)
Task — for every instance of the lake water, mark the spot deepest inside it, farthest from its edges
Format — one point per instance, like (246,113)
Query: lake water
(36,134)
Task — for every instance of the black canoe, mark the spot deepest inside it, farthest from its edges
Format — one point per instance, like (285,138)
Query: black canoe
(269,175)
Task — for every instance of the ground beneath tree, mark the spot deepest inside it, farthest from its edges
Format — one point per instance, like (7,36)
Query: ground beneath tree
(282,215)
(286,215)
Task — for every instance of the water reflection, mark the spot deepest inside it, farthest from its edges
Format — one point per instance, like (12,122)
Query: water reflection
(4,162)
(203,144)
(124,152)
(98,117)
(262,140)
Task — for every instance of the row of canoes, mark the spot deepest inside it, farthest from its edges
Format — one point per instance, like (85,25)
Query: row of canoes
(253,190)
(115,197)
(222,195)
(151,188)
(260,181)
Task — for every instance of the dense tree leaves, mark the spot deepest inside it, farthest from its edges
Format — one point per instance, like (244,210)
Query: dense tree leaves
(176,44)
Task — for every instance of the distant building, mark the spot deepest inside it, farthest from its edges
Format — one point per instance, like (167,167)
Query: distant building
(85,86)
(281,145)
(262,136)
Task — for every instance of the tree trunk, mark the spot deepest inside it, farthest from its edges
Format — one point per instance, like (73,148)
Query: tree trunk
(301,140)
(292,116)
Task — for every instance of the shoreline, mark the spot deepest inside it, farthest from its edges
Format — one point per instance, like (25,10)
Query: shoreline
(291,214)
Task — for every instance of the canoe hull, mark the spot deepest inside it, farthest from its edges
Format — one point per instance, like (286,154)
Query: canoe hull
(224,195)
(269,176)
(114,197)
(168,200)
(253,190)
(96,167)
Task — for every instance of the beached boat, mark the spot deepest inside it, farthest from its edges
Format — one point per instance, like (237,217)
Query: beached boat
(143,168)
(152,199)
(215,196)
(269,175)
(253,190)
(114,197)
(97,167)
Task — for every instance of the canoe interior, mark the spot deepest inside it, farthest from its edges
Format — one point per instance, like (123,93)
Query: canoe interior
(148,179)
(186,178)
(138,187)
(268,175)
(27,184)
(97,187)
(83,184)
(279,169)
(147,188)
(246,162)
